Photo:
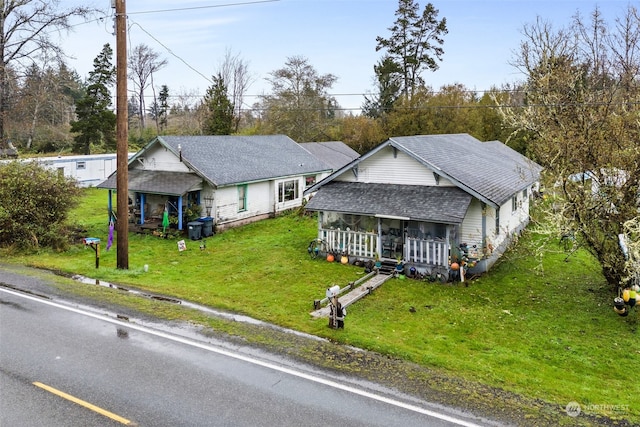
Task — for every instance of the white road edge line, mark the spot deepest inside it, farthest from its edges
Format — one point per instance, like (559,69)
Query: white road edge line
(251,360)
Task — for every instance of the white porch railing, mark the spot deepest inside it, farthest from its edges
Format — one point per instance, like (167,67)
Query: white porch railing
(432,252)
(355,243)
(365,245)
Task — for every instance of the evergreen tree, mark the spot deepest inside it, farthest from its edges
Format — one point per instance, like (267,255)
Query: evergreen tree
(219,109)
(163,107)
(415,42)
(389,84)
(96,123)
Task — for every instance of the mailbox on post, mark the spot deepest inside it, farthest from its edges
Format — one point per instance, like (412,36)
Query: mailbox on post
(94,243)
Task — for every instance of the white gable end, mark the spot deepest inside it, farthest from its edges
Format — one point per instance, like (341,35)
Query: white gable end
(389,166)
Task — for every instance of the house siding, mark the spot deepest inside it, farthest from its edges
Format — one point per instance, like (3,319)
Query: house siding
(160,158)
(385,168)
(226,204)
(471,228)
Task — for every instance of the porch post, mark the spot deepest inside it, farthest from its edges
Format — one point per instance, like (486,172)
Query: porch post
(447,254)
(179,212)
(142,201)
(110,204)
(379,242)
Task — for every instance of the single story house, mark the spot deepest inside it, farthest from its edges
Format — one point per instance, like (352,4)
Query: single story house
(230,179)
(427,200)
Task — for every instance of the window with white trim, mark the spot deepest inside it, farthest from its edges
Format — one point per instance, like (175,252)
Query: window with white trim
(288,190)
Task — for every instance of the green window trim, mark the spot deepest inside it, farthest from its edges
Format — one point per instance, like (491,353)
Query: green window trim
(242,197)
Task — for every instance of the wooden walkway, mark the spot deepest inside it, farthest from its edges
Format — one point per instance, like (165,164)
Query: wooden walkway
(354,295)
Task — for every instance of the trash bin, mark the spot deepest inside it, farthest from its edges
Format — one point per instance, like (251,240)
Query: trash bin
(195,230)
(207,226)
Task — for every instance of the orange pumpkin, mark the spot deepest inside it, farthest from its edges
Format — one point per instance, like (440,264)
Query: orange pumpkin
(330,257)
(455,266)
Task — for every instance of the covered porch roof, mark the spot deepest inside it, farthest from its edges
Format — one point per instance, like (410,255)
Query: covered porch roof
(158,182)
(446,205)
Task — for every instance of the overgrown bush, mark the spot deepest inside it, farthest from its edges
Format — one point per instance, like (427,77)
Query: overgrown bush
(34,203)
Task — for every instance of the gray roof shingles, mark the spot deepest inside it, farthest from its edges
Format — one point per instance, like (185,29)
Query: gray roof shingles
(416,202)
(227,160)
(336,154)
(490,169)
(157,182)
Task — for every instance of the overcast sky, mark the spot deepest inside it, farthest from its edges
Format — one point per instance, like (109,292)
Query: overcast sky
(336,36)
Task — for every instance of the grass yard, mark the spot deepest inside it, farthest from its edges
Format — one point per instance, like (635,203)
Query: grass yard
(536,324)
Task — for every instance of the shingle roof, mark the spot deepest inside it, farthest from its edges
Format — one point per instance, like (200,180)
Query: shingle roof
(491,171)
(335,154)
(157,182)
(226,160)
(417,202)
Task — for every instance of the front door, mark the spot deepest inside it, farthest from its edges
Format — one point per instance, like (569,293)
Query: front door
(392,238)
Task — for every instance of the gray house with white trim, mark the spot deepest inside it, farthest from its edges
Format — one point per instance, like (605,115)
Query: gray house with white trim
(429,200)
(232,179)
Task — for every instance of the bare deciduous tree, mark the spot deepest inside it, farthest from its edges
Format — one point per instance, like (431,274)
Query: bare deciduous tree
(25,28)
(143,62)
(235,73)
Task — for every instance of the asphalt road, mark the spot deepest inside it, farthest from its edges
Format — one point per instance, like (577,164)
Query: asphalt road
(61,365)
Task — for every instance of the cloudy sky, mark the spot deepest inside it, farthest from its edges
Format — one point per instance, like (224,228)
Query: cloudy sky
(336,36)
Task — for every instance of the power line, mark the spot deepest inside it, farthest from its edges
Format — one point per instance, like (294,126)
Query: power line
(200,7)
(170,51)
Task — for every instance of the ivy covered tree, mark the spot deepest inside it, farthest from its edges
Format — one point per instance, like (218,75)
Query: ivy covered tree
(415,43)
(218,109)
(579,113)
(34,203)
(96,122)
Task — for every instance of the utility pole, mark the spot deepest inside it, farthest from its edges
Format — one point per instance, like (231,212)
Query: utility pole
(122,136)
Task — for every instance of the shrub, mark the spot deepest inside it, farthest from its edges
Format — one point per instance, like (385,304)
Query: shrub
(34,203)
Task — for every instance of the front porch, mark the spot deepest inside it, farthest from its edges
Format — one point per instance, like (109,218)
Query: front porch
(421,252)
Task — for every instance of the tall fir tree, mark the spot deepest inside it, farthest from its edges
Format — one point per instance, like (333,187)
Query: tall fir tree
(415,42)
(96,122)
(219,109)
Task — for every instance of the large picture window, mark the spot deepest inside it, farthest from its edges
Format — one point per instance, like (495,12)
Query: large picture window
(288,190)
(242,198)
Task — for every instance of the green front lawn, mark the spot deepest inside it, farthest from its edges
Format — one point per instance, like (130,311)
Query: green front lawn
(536,324)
